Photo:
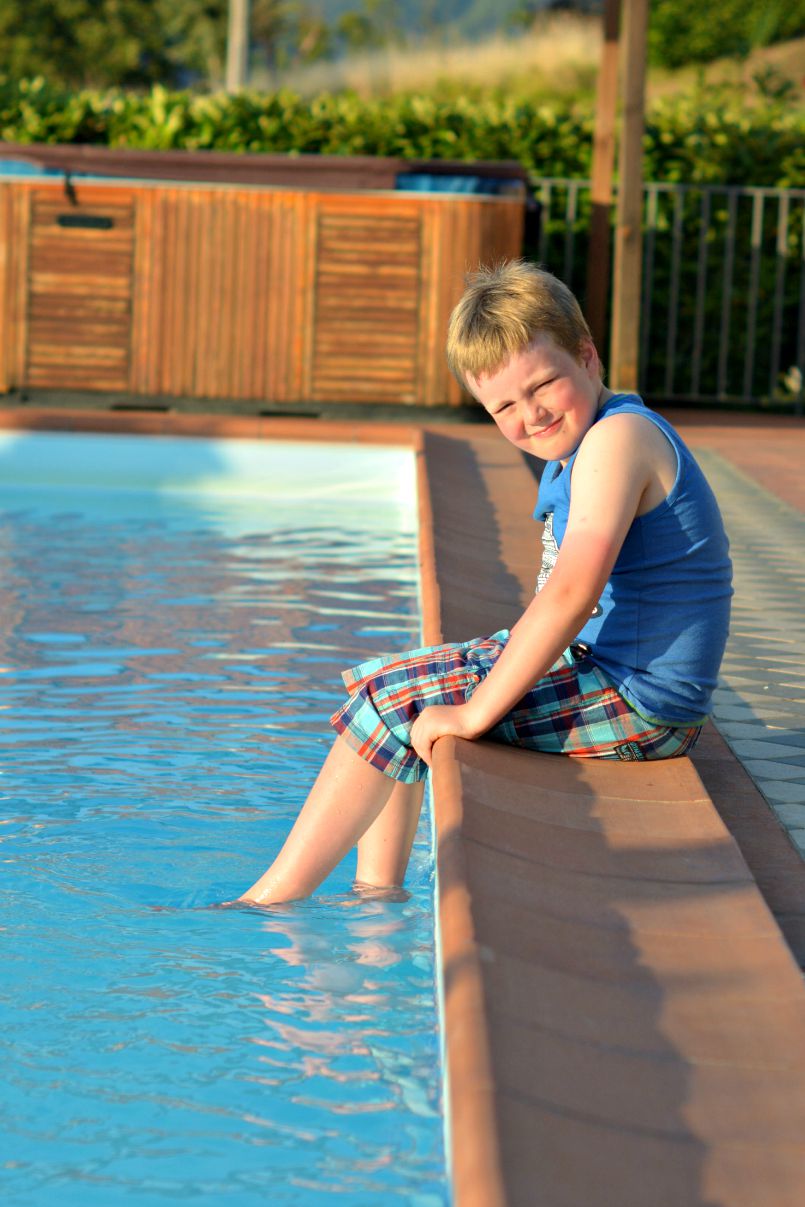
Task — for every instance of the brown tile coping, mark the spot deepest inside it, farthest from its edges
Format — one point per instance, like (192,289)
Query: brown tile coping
(769,448)
(232,167)
(624,1021)
(173,423)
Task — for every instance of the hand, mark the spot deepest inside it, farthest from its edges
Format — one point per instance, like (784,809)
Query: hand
(440,721)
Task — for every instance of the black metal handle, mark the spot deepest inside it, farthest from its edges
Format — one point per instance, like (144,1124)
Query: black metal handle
(87,221)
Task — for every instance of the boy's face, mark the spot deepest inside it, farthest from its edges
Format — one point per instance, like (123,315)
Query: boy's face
(543,400)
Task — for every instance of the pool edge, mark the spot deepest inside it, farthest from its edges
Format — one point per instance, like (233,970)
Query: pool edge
(468,482)
(470,1127)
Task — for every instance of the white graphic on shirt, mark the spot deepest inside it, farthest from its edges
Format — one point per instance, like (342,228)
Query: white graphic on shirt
(550,552)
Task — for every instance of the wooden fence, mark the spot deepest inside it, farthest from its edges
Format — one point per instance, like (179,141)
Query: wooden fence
(249,294)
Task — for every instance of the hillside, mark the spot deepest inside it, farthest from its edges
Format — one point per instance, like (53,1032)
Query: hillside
(558,59)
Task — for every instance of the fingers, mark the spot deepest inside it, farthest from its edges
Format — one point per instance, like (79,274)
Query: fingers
(424,751)
(421,742)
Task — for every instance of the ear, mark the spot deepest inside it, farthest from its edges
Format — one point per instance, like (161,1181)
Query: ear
(589,357)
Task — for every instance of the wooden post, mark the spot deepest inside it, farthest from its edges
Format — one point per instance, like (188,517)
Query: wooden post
(237,46)
(598,278)
(625,342)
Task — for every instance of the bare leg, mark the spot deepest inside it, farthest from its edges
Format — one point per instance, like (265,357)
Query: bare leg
(343,803)
(385,848)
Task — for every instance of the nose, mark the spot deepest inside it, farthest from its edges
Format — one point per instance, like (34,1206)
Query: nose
(532,412)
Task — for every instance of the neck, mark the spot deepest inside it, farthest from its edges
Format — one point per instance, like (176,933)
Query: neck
(604,395)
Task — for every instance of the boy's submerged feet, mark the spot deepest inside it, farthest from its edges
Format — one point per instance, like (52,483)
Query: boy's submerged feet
(360,889)
(380,892)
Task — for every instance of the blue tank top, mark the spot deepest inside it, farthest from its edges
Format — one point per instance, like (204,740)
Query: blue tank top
(660,628)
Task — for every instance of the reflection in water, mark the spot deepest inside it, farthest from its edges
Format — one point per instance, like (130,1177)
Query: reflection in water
(168,672)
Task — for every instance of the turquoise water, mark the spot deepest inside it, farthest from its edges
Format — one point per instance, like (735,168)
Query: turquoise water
(169,657)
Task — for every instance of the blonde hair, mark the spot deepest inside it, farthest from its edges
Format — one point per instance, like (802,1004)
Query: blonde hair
(502,311)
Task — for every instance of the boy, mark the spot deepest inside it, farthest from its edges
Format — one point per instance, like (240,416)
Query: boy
(617,654)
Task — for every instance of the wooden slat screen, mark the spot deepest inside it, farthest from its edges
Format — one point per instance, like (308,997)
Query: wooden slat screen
(259,295)
(218,312)
(79,291)
(367,287)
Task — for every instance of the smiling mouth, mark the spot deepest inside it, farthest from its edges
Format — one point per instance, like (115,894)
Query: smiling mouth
(545,431)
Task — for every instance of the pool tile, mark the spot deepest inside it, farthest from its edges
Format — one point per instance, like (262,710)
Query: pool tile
(746,729)
(792,816)
(773,770)
(759,705)
(727,712)
(798,837)
(783,791)
(765,748)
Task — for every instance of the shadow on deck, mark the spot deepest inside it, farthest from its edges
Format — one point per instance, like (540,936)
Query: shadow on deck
(624,1017)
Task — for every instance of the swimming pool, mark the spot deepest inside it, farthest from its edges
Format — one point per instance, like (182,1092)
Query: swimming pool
(176,613)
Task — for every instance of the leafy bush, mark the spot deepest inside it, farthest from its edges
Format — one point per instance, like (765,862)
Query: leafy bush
(695,139)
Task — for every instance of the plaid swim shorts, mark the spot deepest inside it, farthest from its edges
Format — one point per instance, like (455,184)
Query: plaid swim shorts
(573,710)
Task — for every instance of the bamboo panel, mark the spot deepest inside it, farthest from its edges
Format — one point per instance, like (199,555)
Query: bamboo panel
(50,201)
(79,289)
(204,250)
(14,234)
(148,285)
(457,239)
(197,225)
(49,330)
(266,221)
(229,344)
(288,333)
(367,285)
(56,305)
(310,245)
(68,378)
(223,299)
(59,283)
(246,279)
(447,266)
(6,236)
(226,294)
(44,353)
(165,348)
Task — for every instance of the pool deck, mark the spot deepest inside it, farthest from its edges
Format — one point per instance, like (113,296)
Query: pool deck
(620,942)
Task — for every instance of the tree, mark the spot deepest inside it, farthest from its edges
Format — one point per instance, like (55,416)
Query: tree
(687,31)
(131,43)
(375,24)
(84,43)
(196,32)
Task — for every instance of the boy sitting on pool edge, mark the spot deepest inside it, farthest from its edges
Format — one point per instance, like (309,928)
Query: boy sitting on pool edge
(616,656)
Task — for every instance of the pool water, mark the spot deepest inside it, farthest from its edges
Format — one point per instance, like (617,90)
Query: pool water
(175,617)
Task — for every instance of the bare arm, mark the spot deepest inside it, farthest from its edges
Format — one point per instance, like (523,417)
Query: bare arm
(610,475)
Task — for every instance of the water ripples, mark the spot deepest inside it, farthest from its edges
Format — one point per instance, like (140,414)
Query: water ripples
(165,682)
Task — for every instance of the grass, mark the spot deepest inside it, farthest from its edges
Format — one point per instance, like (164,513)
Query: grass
(557,58)
(771,69)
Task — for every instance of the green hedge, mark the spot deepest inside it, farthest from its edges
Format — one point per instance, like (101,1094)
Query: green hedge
(701,139)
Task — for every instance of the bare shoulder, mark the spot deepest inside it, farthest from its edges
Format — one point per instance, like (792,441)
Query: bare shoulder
(633,448)
(628,431)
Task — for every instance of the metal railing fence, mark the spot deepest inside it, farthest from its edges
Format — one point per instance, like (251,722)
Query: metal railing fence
(723,292)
